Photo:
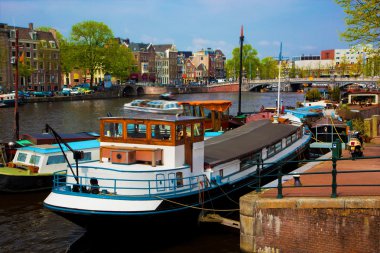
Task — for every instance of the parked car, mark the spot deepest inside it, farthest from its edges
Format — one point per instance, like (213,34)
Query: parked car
(66,91)
(43,94)
(76,91)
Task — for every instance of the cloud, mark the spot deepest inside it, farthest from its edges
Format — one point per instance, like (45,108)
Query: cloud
(199,43)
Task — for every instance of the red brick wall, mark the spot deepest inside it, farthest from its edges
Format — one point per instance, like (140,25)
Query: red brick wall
(328,54)
(317,230)
(224,88)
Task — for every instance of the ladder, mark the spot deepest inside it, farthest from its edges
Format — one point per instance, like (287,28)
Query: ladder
(3,155)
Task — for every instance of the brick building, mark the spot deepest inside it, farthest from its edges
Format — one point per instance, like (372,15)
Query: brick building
(41,59)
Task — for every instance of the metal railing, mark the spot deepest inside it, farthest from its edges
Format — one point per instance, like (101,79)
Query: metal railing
(129,187)
(334,175)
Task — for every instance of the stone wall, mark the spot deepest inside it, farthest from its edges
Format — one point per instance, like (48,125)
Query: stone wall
(310,225)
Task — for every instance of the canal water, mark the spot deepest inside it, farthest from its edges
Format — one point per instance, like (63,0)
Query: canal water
(25,226)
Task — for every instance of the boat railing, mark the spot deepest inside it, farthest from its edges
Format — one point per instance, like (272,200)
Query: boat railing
(129,187)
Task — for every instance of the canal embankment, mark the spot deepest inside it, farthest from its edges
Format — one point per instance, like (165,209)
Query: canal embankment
(308,218)
(96,95)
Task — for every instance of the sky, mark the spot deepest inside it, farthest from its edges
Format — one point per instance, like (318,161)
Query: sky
(303,26)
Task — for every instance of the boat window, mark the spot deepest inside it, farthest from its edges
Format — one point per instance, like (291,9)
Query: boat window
(188,130)
(86,156)
(226,112)
(270,151)
(288,140)
(198,129)
(187,110)
(179,132)
(21,157)
(278,147)
(249,161)
(136,130)
(161,132)
(114,130)
(207,113)
(294,137)
(198,111)
(34,159)
(179,177)
(55,159)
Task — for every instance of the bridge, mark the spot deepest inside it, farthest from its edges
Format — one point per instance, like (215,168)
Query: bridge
(287,84)
(294,84)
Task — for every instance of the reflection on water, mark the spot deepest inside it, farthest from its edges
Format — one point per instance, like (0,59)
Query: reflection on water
(25,226)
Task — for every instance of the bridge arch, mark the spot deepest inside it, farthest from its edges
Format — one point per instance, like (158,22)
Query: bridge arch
(140,91)
(129,91)
(258,87)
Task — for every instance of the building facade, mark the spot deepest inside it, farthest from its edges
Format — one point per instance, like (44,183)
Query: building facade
(166,63)
(39,59)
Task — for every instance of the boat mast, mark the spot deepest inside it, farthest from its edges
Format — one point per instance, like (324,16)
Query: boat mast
(241,68)
(16,127)
(279,81)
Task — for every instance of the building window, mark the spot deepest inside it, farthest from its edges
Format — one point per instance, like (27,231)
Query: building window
(34,46)
(28,54)
(28,45)
(52,44)
(12,34)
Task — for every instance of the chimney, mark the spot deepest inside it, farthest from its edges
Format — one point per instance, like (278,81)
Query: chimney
(31,26)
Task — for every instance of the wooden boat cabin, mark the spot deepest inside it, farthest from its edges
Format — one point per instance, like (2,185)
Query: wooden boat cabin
(152,139)
(215,112)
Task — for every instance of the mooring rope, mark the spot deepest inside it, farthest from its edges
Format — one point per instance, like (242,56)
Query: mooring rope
(198,208)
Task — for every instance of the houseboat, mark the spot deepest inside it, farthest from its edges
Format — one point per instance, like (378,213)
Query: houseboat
(8,100)
(147,176)
(33,166)
(154,106)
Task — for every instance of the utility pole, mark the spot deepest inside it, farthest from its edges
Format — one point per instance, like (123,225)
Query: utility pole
(16,128)
(241,68)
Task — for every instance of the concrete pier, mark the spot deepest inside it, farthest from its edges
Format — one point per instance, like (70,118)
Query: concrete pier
(309,220)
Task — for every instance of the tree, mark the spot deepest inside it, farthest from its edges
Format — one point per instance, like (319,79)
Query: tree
(363,21)
(343,66)
(268,68)
(250,62)
(313,95)
(125,63)
(334,93)
(88,39)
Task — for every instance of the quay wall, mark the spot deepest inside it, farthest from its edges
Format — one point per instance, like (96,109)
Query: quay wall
(224,88)
(97,95)
(344,224)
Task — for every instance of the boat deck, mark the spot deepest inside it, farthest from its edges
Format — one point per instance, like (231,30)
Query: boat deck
(244,140)
(19,172)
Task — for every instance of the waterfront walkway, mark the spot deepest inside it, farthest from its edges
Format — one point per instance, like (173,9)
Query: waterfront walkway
(343,178)
(308,219)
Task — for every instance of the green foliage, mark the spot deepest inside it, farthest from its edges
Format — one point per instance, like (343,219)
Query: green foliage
(334,93)
(25,69)
(358,125)
(268,68)
(119,61)
(363,21)
(250,62)
(87,45)
(313,95)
